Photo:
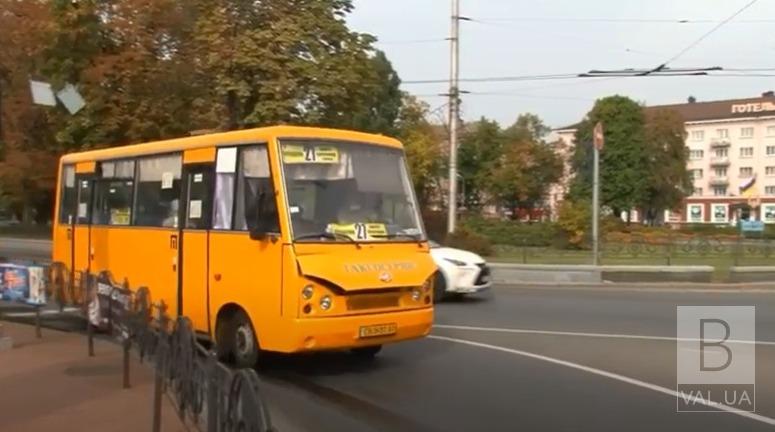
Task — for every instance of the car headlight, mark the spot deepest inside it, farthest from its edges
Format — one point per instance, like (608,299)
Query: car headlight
(456,262)
(307,292)
(325,303)
(416,294)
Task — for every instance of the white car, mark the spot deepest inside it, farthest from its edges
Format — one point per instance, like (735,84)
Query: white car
(460,272)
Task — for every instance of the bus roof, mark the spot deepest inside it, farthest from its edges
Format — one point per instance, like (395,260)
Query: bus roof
(229,138)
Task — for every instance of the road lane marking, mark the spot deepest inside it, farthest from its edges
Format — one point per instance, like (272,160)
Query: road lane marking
(606,374)
(43,312)
(583,334)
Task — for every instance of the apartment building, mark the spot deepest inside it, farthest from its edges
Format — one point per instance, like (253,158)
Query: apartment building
(731,146)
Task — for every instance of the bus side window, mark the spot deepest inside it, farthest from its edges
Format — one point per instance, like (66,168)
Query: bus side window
(225,170)
(158,191)
(255,180)
(67,204)
(113,193)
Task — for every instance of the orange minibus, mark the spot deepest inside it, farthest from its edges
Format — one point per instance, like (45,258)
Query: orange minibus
(284,239)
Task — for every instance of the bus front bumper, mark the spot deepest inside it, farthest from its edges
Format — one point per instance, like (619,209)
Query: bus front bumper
(317,334)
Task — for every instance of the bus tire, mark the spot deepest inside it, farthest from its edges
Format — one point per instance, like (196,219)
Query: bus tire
(439,288)
(368,352)
(236,341)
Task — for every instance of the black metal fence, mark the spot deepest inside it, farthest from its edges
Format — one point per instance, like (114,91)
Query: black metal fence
(207,394)
(675,250)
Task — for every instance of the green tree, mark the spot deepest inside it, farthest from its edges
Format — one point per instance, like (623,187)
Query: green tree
(381,108)
(421,145)
(624,168)
(669,180)
(521,176)
(481,144)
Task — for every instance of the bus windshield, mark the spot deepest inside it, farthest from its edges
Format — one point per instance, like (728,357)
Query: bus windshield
(349,192)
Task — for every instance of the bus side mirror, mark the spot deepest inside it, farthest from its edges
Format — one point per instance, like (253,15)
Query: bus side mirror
(262,225)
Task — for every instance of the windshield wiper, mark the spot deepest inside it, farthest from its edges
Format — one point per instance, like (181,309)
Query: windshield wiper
(396,235)
(324,234)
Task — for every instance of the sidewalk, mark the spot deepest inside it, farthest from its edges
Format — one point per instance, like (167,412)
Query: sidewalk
(51,384)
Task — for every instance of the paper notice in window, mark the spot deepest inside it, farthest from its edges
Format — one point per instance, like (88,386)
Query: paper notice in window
(82,210)
(198,178)
(166,180)
(195,209)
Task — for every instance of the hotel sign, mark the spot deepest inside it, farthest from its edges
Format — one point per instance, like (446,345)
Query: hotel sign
(753,107)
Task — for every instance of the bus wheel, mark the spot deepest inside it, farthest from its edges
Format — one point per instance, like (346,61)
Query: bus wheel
(366,352)
(439,288)
(237,342)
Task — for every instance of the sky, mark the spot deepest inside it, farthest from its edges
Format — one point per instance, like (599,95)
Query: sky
(521,37)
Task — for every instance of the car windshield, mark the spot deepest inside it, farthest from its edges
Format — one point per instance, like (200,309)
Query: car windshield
(349,191)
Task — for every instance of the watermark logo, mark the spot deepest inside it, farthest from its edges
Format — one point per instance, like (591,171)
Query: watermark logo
(716,358)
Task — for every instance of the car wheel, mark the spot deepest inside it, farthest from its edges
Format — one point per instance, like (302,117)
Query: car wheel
(236,341)
(368,352)
(439,287)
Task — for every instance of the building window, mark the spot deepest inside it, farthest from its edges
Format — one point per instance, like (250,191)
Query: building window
(720,172)
(696,154)
(769,190)
(720,212)
(770,150)
(697,192)
(722,133)
(746,172)
(722,152)
(746,152)
(719,191)
(698,135)
(746,132)
(770,131)
(697,174)
(770,171)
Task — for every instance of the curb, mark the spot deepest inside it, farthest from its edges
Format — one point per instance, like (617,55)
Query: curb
(766,287)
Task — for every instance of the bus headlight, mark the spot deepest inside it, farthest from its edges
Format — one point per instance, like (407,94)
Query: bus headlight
(307,292)
(428,284)
(325,303)
(416,293)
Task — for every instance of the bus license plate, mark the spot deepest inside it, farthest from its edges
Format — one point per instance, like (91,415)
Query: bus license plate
(378,330)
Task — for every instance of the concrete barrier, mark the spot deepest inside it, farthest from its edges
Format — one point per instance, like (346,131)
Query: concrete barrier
(696,274)
(520,274)
(752,274)
(515,274)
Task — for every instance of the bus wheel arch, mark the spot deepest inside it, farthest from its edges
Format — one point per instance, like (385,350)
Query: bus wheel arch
(236,339)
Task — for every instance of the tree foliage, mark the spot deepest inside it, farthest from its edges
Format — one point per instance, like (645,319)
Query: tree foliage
(522,175)
(155,69)
(481,145)
(624,172)
(421,144)
(669,181)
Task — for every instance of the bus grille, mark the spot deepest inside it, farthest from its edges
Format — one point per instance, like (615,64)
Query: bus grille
(372,301)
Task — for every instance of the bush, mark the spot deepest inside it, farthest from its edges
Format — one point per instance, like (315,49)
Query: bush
(466,239)
(514,233)
(575,219)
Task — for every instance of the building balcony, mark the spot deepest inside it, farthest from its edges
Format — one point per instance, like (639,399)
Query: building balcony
(719,161)
(719,181)
(719,142)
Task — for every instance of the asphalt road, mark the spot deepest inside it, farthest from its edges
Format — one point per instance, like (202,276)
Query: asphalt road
(532,359)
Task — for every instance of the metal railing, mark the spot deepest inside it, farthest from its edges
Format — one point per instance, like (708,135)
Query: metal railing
(206,393)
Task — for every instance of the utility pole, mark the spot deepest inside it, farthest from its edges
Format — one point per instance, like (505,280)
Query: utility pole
(454,114)
(598,141)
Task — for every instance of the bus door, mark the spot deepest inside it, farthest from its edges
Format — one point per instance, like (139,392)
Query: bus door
(196,215)
(81,229)
(243,270)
